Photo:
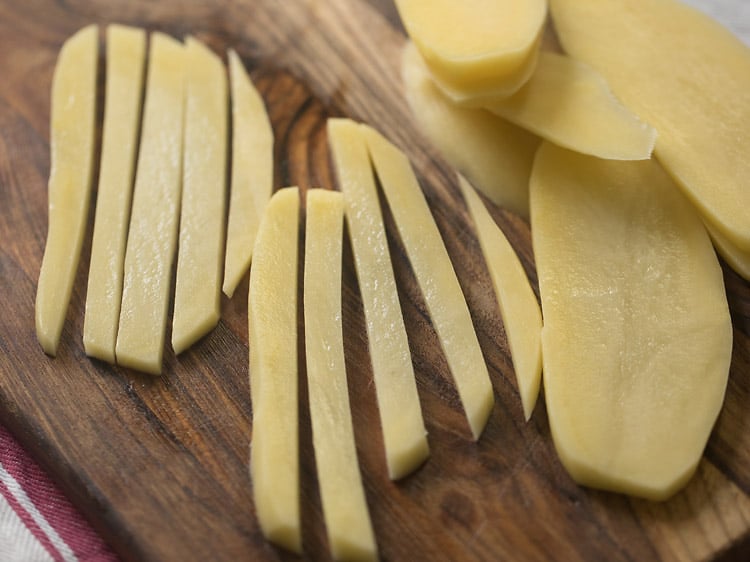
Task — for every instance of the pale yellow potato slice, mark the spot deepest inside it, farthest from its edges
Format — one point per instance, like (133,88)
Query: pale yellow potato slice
(272,334)
(637,337)
(495,155)
(519,308)
(126,51)
(404,434)
(342,496)
(737,259)
(476,48)
(567,102)
(688,77)
(72,139)
(252,172)
(197,299)
(437,279)
(152,238)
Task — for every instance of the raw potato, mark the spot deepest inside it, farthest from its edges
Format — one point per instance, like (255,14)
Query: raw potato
(436,277)
(494,154)
(519,308)
(569,103)
(476,49)
(197,298)
(404,433)
(347,519)
(738,260)
(272,334)
(72,139)
(252,172)
(126,51)
(689,78)
(637,337)
(152,238)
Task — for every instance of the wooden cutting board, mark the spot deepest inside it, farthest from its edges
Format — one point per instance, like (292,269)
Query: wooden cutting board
(159,465)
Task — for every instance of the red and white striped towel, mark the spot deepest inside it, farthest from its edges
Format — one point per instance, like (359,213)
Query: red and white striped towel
(37,523)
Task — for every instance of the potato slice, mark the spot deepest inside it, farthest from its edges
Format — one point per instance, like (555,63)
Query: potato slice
(637,337)
(197,299)
(347,519)
(252,172)
(72,138)
(738,260)
(272,334)
(476,49)
(688,77)
(404,434)
(436,277)
(567,102)
(519,308)
(152,238)
(494,154)
(126,50)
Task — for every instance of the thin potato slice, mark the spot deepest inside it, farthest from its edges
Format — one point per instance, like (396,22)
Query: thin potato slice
(436,277)
(476,48)
(495,155)
(252,172)
(738,260)
(688,77)
(197,298)
(404,433)
(347,519)
(272,333)
(637,336)
(152,238)
(569,103)
(519,308)
(72,139)
(126,51)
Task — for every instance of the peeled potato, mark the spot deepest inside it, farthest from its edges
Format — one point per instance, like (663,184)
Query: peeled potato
(637,337)
(689,78)
(476,48)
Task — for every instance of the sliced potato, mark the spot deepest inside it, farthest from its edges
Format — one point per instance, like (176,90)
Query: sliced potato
(494,154)
(152,238)
(637,337)
(567,102)
(347,519)
(519,308)
(272,334)
(688,77)
(126,50)
(737,259)
(476,48)
(252,172)
(72,139)
(436,277)
(404,434)
(197,298)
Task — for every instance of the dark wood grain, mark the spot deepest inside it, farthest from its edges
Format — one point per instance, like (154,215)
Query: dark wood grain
(159,465)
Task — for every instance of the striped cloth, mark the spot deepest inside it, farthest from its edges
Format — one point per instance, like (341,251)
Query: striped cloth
(37,523)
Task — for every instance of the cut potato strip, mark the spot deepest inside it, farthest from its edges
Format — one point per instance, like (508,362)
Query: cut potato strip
(126,50)
(476,49)
(519,308)
(252,172)
(494,154)
(72,139)
(347,519)
(404,434)
(152,238)
(197,298)
(569,103)
(637,336)
(272,333)
(738,260)
(696,93)
(436,277)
